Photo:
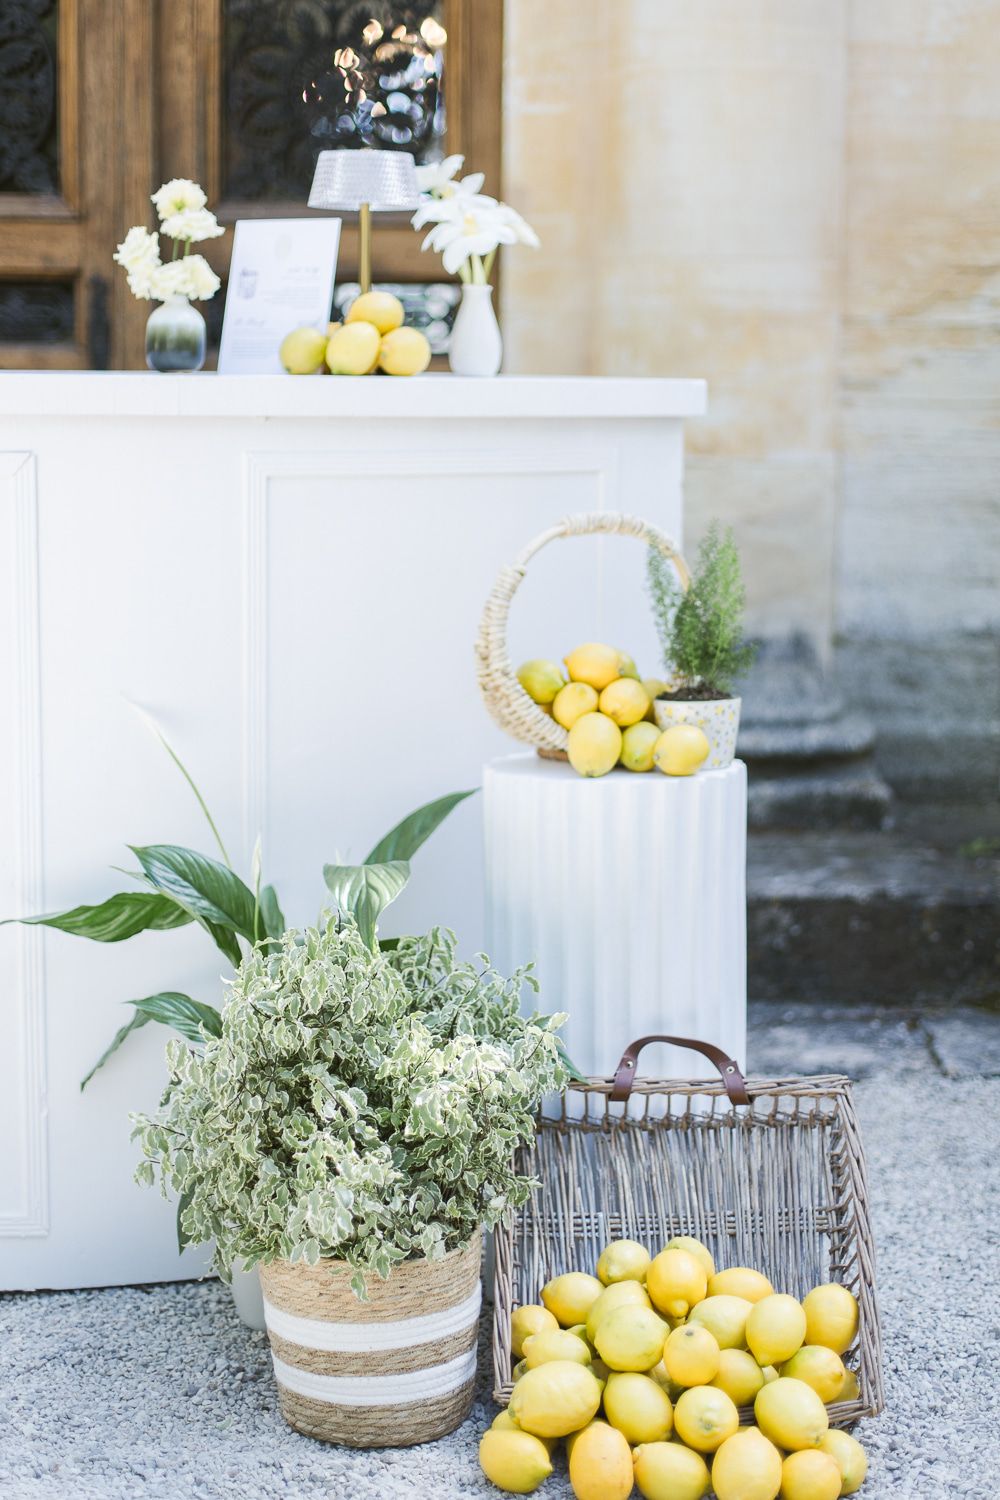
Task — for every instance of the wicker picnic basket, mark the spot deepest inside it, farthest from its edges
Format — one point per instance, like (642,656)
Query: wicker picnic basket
(505,698)
(768,1173)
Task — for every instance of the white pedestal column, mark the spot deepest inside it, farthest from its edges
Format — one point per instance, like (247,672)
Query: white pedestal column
(629,893)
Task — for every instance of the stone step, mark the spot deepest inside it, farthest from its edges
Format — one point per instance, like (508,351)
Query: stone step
(843,796)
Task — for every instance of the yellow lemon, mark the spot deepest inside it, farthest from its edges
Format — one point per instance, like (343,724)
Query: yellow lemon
(849,1456)
(572,702)
(746,1467)
(540,1348)
(301,351)
(555,1398)
(831,1317)
(704,1417)
(769,1373)
(504,1422)
(810,1475)
(638,1407)
(691,1355)
(622,1260)
(681,749)
(694,1247)
(625,701)
(818,1367)
(381,309)
(600,1464)
(514,1461)
(571,1296)
(580,1329)
(739,1375)
(627,666)
(353,349)
(740,1281)
(790,1413)
(595,743)
(524,1321)
(614,1296)
(669,1471)
(637,746)
(726,1318)
(404,351)
(776,1328)
(850,1390)
(676,1281)
(594,664)
(631,1338)
(540,679)
(654,687)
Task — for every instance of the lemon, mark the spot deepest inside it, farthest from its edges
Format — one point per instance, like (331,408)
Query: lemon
(521,1368)
(676,1281)
(600,1464)
(818,1367)
(850,1390)
(654,687)
(625,701)
(595,743)
(681,749)
(514,1461)
(849,1456)
(622,1260)
(704,1417)
(739,1375)
(353,349)
(594,664)
(631,1338)
(572,702)
(664,1380)
(381,309)
(790,1413)
(831,1317)
(810,1475)
(540,679)
(691,1355)
(504,1422)
(740,1281)
(404,351)
(600,1369)
(301,351)
(746,1467)
(627,666)
(524,1321)
(540,1348)
(580,1330)
(726,1318)
(611,1297)
(776,1327)
(554,1399)
(638,1407)
(637,746)
(769,1373)
(694,1247)
(669,1471)
(570,1297)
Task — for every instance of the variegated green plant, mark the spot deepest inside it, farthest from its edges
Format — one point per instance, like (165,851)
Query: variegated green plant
(358,1104)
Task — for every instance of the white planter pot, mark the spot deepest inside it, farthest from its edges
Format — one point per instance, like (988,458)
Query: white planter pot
(247,1296)
(719,718)
(476,347)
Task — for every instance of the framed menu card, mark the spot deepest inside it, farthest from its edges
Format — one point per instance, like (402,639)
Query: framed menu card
(280,277)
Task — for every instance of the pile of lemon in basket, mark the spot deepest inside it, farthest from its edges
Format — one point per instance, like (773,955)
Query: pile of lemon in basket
(642,1370)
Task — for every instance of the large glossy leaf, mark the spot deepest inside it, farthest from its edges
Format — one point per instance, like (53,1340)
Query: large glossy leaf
(204,887)
(171,1009)
(403,841)
(120,917)
(270,912)
(366,890)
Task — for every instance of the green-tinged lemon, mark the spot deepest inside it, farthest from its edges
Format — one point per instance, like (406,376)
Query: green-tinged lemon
(622,1260)
(740,1281)
(625,701)
(302,351)
(776,1328)
(739,1375)
(526,1320)
(726,1317)
(638,741)
(572,702)
(611,1297)
(810,1475)
(669,1471)
(570,1297)
(541,1348)
(540,679)
(819,1367)
(747,1466)
(850,1390)
(513,1460)
(381,309)
(594,745)
(600,1464)
(675,1281)
(555,1398)
(631,1338)
(831,1317)
(654,687)
(353,349)
(694,1247)
(790,1413)
(638,1407)
(627,666)
(681,750)
(691,1355)
(595,664)
(704,1417)
(849,1456)
(404,351)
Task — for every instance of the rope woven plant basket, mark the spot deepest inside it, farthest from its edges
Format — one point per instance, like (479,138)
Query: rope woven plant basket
(768,1173)
(508,703)
(396,1370)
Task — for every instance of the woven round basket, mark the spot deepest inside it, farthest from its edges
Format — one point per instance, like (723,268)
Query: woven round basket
(396,1370)
(504,696)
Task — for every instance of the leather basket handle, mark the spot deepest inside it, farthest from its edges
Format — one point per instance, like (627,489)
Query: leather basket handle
(728,1068)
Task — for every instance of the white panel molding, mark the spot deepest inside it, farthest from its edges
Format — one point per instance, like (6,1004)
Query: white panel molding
(29,1150)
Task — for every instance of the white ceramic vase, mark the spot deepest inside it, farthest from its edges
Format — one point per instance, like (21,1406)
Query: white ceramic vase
(476,347)
(718,717)
(247,1296)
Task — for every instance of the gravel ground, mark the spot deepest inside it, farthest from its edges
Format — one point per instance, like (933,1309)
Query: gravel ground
(160,1392)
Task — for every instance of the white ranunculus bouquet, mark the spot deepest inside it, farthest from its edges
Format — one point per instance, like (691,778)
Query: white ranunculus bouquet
(468,226)
(184,219)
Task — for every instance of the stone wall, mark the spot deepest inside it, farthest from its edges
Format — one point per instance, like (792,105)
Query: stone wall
(799,200)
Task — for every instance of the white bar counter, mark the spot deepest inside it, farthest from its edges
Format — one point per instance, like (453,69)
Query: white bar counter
(288,574)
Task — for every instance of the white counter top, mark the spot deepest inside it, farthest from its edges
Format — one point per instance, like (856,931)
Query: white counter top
(88,393)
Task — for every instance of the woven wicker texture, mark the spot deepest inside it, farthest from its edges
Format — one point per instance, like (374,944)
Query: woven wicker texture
(504,696)
(416,1287)
(377,1426)
(780,1186)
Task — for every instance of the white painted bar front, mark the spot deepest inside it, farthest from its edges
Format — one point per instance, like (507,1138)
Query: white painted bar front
(288,574)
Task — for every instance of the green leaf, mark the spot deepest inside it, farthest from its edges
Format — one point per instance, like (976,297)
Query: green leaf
(154,727)
(366,890)
(120,917)
(204,887)
(182,1238)
(270,913)
(123,1031)
(568,1063)
(170,1008)
(403,841)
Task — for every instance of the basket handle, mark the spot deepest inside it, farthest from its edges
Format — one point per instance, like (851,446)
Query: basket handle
(728,1067)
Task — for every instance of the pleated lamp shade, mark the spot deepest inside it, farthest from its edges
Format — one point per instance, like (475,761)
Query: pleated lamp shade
(346,179)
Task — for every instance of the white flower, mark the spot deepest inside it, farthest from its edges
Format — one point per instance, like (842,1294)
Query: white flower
(192,224)
(170,280)
(139,254)
(465,197)
(177,195)
(470,231)
(438,174)
(525,234)
(190,276)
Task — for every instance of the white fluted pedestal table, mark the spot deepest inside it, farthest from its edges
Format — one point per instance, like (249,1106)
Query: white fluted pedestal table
(629,894)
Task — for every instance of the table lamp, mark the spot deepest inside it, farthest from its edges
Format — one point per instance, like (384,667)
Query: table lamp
(365,182)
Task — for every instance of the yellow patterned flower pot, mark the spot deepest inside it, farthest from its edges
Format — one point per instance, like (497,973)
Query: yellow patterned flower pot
(718,717)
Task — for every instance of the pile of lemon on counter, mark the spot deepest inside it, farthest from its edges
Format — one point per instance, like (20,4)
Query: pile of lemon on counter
(671,1348)
(608,712)
(371,337)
